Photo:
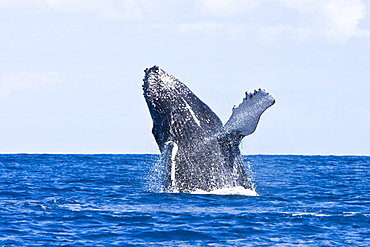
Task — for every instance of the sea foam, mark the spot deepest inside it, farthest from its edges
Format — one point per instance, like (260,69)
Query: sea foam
(238,190)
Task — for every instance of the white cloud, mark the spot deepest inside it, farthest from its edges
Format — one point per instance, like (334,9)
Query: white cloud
(75,6)
(225,7)
(304,33)
(269,33)
(123,10)
(21,4)
(25,80)
(108,9)
(205,27)
(336,20)
(132,9)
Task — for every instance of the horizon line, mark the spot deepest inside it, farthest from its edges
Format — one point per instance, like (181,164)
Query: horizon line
(136,153)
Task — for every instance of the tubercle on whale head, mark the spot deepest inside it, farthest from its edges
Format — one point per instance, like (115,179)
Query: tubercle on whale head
(162,89)
(161,92)
(157,79)
(150,77)
(153,69)
(151,85)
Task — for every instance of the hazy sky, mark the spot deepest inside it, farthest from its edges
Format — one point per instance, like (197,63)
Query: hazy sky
(71,71)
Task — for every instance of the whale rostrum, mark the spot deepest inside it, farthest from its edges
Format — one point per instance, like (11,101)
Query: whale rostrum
(199,152)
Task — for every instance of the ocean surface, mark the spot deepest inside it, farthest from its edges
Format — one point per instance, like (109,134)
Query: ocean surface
(114,200)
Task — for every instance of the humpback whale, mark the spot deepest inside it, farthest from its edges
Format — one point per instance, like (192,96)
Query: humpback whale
(198,151)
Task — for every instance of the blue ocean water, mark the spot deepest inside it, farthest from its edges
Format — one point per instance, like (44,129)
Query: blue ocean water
(113,200)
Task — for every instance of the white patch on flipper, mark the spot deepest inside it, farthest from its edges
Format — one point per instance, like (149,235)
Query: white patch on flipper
(173,164)
(169,153)
(192,113)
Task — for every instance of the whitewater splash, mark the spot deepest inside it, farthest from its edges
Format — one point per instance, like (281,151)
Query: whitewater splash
(155,184)
(239,190)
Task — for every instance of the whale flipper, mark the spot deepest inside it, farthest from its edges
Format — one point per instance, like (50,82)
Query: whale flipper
(245,117)
(168,157)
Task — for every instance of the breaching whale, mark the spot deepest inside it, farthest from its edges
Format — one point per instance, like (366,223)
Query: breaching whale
(199,152)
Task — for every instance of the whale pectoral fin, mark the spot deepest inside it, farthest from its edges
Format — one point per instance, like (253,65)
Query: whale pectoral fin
(245,117)
(168,158)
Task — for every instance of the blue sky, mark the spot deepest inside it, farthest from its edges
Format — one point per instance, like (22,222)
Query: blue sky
(71,71)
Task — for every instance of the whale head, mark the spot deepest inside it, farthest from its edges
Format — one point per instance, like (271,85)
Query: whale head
(176,111)
(161,89)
